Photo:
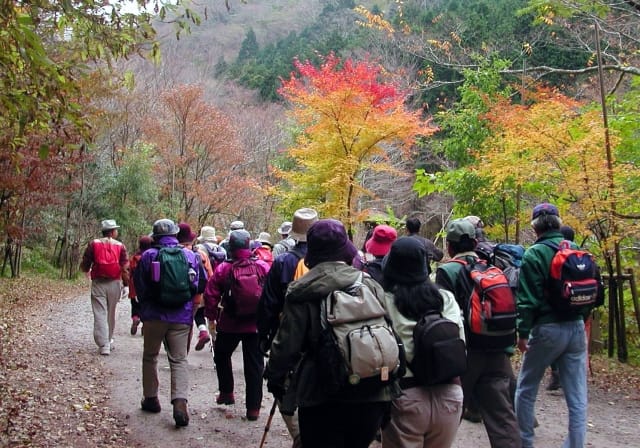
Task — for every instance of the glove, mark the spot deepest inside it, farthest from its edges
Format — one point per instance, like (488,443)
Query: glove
(276,389)
(124,292)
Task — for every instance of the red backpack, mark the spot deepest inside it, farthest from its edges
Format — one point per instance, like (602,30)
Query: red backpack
(246,280)
(264,254)
(489,307)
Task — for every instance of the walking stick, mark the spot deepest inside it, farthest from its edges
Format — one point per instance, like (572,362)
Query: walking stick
(268,425)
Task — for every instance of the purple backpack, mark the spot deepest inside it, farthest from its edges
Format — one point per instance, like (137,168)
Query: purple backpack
(244,289)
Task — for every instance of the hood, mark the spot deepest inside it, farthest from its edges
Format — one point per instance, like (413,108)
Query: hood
(321,280)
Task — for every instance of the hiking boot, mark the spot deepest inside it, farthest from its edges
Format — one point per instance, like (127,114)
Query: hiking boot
(135,321)
(180,413)
(105,350)
(203,338)
(225,398)
(151,404)
(253,414)
(472,416)
(554,383)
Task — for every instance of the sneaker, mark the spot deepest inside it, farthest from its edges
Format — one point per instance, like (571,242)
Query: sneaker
(135,321)
(180,413)
(151,404)
(105,350)
(225,398)
(253,414)
(111,345)
(203,338)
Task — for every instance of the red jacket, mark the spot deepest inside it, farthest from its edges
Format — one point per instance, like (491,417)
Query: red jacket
(106,258)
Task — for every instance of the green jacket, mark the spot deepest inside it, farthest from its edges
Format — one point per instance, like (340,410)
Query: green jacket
(299,333)
(533,308)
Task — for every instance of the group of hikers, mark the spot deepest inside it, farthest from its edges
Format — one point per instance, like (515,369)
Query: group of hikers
(359,344)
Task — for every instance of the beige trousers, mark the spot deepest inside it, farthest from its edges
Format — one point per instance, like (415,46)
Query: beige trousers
(105,294)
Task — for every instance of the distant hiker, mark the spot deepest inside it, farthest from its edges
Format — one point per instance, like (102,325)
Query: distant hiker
(376,248)
(264,248)
(144,243)
(484,247)
(186,238)
(350,417)
(167,279)
(424,415)
(286,242)
(546,335)
(107,262)
(283,271)
(235,225)
(231,300)
(489,371)
(433,252)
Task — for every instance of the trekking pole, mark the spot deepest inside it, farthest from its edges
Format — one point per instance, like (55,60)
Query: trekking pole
(268,425)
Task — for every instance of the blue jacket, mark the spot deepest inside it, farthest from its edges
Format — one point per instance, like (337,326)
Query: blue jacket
(149,309)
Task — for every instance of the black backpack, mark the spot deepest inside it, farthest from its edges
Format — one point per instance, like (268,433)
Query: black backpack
(374,269)
(439,354)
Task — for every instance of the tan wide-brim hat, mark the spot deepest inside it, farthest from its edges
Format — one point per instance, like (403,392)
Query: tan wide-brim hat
(109,224)
(208,234)
(303,218)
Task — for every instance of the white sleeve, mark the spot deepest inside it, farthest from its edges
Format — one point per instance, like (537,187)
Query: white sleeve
(452,311)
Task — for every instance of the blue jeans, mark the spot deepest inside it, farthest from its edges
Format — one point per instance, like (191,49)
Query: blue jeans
(564,343)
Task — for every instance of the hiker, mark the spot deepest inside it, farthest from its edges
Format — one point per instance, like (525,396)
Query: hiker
(487,380)
(235,225)
(484,247)
(271,304)
(223,304)
(186,237)
(167,280)
(264,248)
(433,252)
(107,262)
(350,417)
(376,248)
(423,415)
(547,336)
(207,243)
(286,242)
(144,243)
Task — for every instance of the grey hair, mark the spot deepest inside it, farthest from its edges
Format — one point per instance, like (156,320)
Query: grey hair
(545,222)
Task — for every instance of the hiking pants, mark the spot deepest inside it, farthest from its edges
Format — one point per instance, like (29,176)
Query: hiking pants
(105,294)
(175,338)
(253,363)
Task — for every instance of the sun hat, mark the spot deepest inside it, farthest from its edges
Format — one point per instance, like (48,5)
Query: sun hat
(109,224)
(303,219)
(285,228)
(406,261)
(185,235)
(459,228)
(208,235)
(236,225)
(544,209)
(475,220)
(264,238)
(164,227)
(380,242)
(327,240)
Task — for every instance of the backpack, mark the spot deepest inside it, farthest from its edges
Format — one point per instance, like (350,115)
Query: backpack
(489,305)
(508,257)
(374,269)
(357,345)
(216,254)
(174,286)
(438,352)
(573,279)
(301,268)
(246,280)
(264,254)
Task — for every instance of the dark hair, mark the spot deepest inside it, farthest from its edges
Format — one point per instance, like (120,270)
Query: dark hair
(567,232)
(465,244)
(415,300)
(108,232)
(546,222)
(413,225)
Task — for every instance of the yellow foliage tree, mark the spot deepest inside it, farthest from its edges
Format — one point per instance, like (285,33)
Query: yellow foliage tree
(350,120)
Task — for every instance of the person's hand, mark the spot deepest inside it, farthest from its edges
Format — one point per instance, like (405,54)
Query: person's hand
(523,344)
(276,389)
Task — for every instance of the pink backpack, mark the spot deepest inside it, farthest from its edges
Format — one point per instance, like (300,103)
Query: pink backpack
(244,289)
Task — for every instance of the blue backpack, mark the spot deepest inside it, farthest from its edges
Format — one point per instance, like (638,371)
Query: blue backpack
(508,257)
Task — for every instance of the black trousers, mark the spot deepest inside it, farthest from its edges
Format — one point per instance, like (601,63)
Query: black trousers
(340,425)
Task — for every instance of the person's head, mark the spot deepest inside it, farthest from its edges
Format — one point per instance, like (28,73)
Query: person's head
(265,239)
(145,242)
(404,271)
(239,240)
(185,235)
(164,227)
(284,229)
(567,232)
(381,239)
(303,219)
(413,225)
(327,240)
(208,235)
(478,225)
(236,225)
(461,236)
(109,228)
(544,218)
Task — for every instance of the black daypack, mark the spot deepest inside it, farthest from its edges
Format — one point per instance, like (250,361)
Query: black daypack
(508,257)
(174,287)
(374,269)
(439,355)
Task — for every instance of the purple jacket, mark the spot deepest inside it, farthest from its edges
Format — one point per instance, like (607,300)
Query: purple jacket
(149,309)
(216,286)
